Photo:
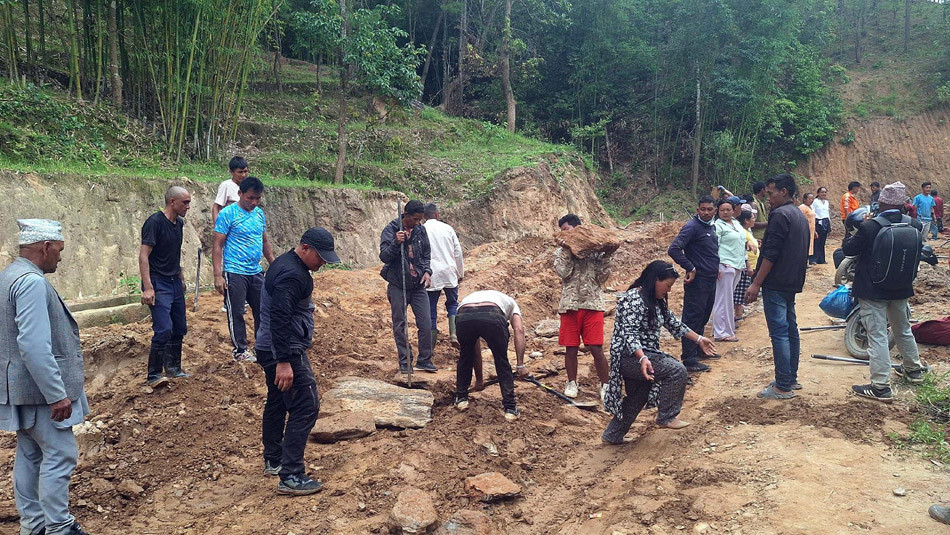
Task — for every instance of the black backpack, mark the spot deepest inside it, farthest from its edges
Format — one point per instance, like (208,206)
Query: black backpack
(895,254)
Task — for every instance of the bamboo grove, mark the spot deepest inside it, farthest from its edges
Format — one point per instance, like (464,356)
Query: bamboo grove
(182,65)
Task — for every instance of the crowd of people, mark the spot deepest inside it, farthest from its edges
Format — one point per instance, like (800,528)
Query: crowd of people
(733,250)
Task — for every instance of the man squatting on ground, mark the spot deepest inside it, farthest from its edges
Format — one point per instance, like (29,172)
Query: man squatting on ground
(780,274)
(163,285)
(407,234)
(228,194)
(448,270)
(884,302)
(486,314)
(581,307)
(649,376)
(240,238)
(283,337)
(696,250)
(41,382)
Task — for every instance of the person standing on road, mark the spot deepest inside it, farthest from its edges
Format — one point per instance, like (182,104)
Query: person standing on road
(937,227)
(581,308)
(448,270)
(696,250)
(649,376)
(808,200)
(404,251)
(822,225)
(883,296)
(781,274)
(732,262)
(228,194)
(849,203)
(486,315)
(925,203)
(163,285)
(41,381)
(283,338)
(762,209)
(240,239)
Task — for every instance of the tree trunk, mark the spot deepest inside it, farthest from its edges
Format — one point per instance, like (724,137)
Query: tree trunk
(432,41)
(857,35)
(114,57)
(463,50)
(341,116)
(42,16)
(510,103)
(697,138)
(445,67)
(277,45)
(74,74)
(906,25)
(29,36)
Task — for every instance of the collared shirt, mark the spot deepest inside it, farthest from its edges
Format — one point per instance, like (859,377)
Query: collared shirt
(731,237)
(763,209)
(244,242)
(849,203)
(581,280)
(822,209)
(445,255)
(696,247)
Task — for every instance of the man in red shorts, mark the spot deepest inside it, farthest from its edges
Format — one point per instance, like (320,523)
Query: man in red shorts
(581,307)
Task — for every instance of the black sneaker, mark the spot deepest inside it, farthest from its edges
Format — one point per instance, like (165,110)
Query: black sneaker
(75,529)
(915,377)
(299,485)
(696,367)
(703,356)
(426,367)
(883,395)
(271,468)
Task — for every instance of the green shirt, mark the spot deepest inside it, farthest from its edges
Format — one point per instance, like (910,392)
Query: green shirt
(763,208)
(731,238)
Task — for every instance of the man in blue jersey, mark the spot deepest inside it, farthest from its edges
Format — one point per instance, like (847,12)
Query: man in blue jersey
(240,239)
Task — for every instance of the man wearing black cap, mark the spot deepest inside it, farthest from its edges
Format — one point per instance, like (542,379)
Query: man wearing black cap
(283,337)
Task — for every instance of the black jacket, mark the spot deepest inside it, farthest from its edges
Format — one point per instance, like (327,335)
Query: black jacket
(785,243)
(389,254)
(286,319)
(696,247)
(861,245)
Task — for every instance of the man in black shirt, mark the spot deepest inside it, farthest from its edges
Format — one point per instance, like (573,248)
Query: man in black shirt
(163,285)
(283,337)
(781,274)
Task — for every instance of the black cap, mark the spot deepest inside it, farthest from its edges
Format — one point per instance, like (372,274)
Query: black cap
(321,240)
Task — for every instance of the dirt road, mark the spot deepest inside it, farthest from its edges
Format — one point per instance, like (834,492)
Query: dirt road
(187,460)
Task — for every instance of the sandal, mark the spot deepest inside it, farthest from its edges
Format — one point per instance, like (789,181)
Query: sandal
(676,423)
(733,339)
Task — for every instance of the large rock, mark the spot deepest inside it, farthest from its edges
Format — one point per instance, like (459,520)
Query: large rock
(491,486)
(343,426)
(588,239)
(414,511)
(467,522)
(390,405)
(547,328)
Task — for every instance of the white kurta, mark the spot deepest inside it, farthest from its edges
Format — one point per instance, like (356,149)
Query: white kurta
(445,255)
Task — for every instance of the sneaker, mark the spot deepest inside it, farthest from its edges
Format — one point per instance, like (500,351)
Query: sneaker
(703,356)
(426,367)
(244,356)
(74,529)
(915,377)
(461,404)
(883,395)
(224,309)
(156,381)
(603,391)
(570,389)
(697,367)
(772,392)
(299,485)
(512,414)
(271,468)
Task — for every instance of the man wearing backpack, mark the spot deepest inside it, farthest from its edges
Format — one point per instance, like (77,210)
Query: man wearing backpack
(887,248)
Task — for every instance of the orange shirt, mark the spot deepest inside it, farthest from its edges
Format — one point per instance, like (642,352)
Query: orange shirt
(849,203)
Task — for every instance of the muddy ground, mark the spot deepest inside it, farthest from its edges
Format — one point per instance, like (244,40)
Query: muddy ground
(187,460)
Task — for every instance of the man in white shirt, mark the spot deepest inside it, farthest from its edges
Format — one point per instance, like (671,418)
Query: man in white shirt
(448,269)
(485,315)
(228,190)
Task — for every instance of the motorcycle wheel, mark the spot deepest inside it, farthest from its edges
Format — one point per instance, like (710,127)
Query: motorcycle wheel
(845,271)
(856,338)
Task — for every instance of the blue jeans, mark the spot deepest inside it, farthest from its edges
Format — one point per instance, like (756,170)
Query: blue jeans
(168,312)
(783,330)
(451,302)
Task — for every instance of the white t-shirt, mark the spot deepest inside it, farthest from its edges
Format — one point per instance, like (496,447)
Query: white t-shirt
(227,193)
(507,305)
(446,255)
(821,209)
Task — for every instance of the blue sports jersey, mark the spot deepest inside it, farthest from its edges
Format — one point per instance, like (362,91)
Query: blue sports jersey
(925,205)
(244,242)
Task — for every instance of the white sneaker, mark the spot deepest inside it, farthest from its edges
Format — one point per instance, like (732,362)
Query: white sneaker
(224,309)
(570,389)
(603,392)
(245,356)
(461,405)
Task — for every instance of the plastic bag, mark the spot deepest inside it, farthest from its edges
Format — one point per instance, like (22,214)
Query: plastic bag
(838,303)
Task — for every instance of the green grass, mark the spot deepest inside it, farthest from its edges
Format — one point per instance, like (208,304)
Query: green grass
(930,433)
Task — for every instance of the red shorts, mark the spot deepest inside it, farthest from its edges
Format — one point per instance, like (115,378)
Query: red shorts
(577,324)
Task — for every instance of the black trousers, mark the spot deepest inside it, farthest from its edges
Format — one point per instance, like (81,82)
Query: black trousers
(823,228)
(698,298)
(242,289)
(489,324)
(288,416)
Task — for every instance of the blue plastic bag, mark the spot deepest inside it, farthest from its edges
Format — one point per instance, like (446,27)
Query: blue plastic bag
(838,303)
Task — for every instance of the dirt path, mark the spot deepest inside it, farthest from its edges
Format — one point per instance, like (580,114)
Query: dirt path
(187,460)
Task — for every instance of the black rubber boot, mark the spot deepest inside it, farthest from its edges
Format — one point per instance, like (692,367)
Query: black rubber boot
(173,361)
(156,356)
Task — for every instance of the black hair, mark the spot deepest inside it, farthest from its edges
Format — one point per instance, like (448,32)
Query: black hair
(722,202)
(251,183)
(924,185)
(238,162)
(853,184)
(656,270)
(758,186)
(817,191)
(747,198)
(707,199)
(785,181)
(933,192)
(806,194)
(570,219)
(414,207)
(743,216)
(431,210)
(875,184)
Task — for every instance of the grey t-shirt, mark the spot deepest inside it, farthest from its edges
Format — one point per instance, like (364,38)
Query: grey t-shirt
(507,304)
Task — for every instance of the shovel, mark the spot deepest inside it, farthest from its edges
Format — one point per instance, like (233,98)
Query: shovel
(583,405)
